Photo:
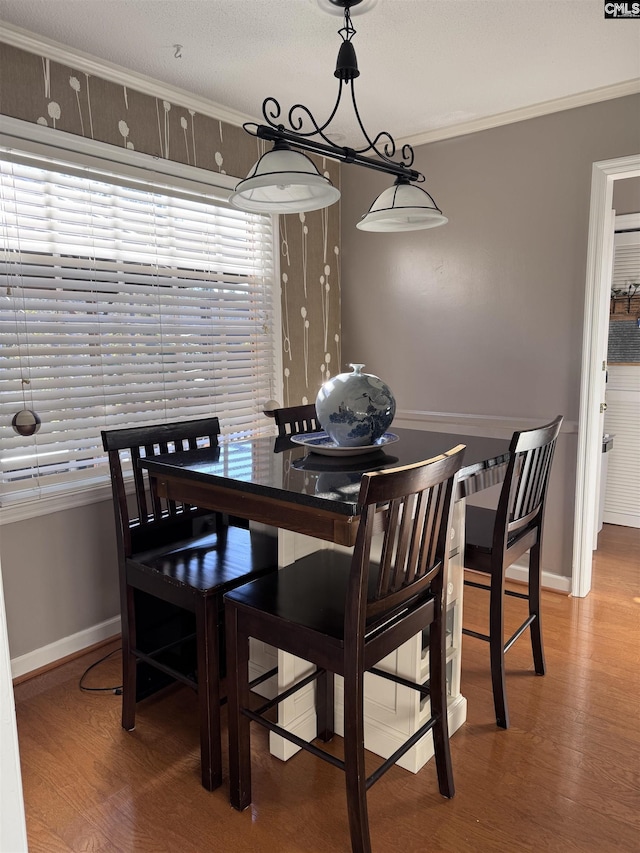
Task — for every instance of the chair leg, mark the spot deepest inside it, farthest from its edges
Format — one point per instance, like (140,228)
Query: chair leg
(496,648)
(354,762)
(129,663)
(534,609)
(239,724)
(438,700)
(209,691)
(325,705)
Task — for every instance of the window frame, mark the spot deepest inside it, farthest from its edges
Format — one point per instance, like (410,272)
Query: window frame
(26,138)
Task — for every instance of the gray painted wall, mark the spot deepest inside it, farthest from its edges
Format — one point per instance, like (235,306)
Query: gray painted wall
(626,196)
(60,574)
(484,316)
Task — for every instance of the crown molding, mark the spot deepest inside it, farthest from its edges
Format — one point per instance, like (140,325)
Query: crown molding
(593,96)
(80,61)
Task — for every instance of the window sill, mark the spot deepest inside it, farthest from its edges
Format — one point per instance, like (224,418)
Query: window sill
(55,503)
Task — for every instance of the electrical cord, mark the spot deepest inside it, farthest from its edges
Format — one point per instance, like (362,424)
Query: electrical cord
(117,690)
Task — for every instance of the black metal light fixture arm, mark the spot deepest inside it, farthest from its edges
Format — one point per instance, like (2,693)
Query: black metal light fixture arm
(335,152)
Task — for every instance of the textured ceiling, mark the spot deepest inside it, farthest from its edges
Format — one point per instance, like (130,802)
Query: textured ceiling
(425,64)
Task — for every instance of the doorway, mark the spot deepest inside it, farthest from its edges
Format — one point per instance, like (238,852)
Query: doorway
(594,353)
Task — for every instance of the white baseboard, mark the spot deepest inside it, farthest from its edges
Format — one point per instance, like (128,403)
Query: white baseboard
(64,647)
(622,519)
(520,572)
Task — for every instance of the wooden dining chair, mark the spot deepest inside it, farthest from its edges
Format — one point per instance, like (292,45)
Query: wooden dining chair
(495,539)
(176,561)
(293,420)
(344,614)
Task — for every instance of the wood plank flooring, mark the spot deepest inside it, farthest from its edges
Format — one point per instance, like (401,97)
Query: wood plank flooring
(565,777)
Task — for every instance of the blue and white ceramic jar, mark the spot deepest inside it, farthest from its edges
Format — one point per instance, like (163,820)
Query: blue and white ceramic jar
(355,408)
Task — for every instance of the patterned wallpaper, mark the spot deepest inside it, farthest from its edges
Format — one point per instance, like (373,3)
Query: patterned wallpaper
(36,89)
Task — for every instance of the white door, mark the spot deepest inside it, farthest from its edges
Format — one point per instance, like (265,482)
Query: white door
(622,420)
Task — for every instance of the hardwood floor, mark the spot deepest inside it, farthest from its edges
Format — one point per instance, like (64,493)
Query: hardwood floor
(565,776)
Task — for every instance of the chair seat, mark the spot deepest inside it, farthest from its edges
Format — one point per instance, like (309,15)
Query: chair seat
(205,566)
(479,525)
(311,592)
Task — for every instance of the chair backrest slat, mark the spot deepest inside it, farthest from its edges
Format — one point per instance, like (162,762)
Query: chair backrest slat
(293,420)
(416,502)
(402,544)
(438,499)
(387,551)
(418,555)
(136,529)
(138,479)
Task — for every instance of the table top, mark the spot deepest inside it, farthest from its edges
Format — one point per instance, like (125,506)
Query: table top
(278,469)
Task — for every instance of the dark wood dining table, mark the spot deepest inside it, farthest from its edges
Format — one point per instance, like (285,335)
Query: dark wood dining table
(276,482)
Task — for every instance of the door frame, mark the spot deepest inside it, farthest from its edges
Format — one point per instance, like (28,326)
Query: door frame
(594,348)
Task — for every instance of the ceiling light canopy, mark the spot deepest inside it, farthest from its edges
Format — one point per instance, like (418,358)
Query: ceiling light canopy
(284,180)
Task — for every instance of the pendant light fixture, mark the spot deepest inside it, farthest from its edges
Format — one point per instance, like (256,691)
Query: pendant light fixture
(285,180)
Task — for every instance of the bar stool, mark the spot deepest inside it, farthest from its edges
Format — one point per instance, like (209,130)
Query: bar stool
(346,613)
(176,561)
(495,539)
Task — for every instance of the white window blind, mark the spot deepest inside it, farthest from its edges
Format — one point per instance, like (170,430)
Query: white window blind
(626,268)
(122,303)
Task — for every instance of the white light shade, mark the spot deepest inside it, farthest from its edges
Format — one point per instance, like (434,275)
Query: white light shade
(402,207)
(284,181)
